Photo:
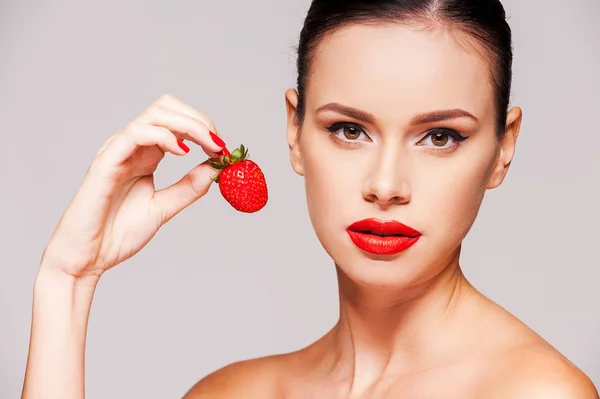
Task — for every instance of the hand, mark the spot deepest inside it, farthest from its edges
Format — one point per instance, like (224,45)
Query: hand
(117,210)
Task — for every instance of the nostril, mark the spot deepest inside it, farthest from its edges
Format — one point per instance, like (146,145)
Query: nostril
(372,198)
(396,200)
(391,200)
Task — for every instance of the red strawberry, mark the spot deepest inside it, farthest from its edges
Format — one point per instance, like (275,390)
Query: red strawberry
(241,181)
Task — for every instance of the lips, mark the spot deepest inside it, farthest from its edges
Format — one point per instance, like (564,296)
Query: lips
(382,237)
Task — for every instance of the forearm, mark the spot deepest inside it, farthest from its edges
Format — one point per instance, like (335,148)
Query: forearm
(56,362)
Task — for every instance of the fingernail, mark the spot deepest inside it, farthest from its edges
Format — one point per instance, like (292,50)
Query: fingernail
(220,153)
(183,146)
(217,140)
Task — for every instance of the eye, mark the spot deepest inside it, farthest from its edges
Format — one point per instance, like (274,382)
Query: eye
(442,139)
(349,131)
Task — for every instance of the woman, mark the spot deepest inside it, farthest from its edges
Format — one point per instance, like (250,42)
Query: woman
(399,125)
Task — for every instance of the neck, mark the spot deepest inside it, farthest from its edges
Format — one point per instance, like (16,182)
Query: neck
(404,330)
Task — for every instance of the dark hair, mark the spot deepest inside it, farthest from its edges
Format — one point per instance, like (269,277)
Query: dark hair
(482,20)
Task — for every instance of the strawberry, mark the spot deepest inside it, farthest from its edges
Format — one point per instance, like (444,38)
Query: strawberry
(241,181)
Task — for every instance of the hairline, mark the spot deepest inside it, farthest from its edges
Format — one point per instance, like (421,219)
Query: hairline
(464,34)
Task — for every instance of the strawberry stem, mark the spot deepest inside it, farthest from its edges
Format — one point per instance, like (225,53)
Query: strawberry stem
(228,159)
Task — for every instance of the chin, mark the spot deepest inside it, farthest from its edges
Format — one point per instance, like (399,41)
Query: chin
(408,269)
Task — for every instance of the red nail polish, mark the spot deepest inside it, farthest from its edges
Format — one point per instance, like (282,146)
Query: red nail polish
(217,140)
(183,146)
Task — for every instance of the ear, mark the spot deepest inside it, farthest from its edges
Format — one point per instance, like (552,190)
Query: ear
(293,131)
(507,147)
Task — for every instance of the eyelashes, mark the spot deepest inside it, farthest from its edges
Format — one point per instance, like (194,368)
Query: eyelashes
(438,139)
(442,139)
(350,131)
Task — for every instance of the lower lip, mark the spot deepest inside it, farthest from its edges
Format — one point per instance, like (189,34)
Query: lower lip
(382,245)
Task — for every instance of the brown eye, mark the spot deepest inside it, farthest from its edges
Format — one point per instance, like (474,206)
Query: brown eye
(442,140)
(351,133)
(348,133)
(439,139)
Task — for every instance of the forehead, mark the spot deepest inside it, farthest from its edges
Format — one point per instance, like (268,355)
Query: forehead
(395,71)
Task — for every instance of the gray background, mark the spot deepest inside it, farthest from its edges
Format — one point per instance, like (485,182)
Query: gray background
(71,74)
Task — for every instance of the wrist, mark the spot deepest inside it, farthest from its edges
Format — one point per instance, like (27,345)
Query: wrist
(60,299)
(49,274)
(52,281)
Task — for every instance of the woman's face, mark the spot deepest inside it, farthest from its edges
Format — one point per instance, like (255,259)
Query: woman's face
(399,125)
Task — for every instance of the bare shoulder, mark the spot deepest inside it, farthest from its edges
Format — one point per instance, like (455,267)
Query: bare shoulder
(538,371)
(521,364)
(250,378)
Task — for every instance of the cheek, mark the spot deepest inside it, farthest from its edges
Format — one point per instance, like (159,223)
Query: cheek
(449,196)
(333,189)
(329,186)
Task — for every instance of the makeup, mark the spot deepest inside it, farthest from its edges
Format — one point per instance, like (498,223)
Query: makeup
(382,237)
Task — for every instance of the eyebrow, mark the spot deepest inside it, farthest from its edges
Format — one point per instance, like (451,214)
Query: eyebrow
(348,111)
(438,116)
(419,119)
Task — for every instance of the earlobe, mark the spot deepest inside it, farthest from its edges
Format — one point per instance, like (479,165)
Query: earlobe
(507,147)
(293,131)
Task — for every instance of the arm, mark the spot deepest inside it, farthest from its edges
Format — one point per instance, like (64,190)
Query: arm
(114,214)
(61,308)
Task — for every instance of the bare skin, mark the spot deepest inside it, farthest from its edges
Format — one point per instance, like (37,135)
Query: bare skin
(411,325)
(516,364)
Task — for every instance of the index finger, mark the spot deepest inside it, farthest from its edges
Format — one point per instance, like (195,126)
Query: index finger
(172,102)
(182,125)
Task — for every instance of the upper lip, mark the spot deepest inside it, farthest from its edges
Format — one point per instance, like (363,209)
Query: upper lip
(383,228)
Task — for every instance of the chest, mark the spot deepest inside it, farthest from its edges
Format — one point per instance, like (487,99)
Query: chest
(463,382)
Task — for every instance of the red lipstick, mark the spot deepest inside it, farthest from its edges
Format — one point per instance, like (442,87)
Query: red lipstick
(382,237)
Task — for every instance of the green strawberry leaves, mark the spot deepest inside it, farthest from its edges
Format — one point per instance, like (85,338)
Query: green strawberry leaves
(239,154)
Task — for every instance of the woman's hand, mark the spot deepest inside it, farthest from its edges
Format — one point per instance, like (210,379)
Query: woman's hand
(114,213)
(117,210)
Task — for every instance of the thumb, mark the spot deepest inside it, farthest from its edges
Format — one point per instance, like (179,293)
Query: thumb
(194,185)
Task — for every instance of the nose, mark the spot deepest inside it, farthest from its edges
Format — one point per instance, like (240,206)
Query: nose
(387,182)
